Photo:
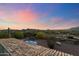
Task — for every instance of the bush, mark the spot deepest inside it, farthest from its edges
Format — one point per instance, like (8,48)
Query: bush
(29,34)
(70,37)
(76,42)
(19,35)
(40,35)
(4,35)
(51,41)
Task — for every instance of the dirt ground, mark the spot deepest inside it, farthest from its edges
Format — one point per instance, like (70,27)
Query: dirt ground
(67,48)
(42,43)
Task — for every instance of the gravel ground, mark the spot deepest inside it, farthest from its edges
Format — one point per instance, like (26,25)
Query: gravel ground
(42,43)
(68,48)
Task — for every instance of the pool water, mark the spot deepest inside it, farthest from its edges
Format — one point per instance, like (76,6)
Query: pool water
(31,41)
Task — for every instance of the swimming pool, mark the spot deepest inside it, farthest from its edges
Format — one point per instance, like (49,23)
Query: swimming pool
(31,41)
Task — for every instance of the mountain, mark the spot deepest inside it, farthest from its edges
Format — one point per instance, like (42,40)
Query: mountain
(74,29)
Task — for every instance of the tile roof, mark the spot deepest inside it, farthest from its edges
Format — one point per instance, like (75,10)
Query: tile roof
(20,48)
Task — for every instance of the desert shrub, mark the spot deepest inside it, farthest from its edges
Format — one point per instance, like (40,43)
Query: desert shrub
(29,34)
(4,35)
(19,35)
(76,42)
(70,37)
(41,35)
(51,41)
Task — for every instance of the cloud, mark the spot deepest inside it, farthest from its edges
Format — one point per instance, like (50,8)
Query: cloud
(25,16)
(55,20)
(23,19)
(61,23)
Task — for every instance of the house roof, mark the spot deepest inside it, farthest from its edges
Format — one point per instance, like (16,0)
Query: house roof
(17,47)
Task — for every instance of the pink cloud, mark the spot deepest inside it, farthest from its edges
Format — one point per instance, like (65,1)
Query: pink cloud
(19,16)
(22,19)
(60,23)
(25,16)
(56,20)
(29,19)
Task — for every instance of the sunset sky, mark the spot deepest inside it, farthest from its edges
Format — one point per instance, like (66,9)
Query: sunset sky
(39,16)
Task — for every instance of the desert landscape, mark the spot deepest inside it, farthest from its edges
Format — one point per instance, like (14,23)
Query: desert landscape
(39,29)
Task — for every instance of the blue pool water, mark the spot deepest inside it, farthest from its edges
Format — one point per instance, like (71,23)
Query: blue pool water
(31,41)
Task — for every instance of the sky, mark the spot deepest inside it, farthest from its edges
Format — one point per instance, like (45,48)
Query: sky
(39,15)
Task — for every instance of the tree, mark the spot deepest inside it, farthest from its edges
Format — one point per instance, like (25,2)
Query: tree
(40,35)
(19,35)
(3,34)
(29,34)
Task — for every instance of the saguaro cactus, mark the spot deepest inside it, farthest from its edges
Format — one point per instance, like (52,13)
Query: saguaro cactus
(9,34)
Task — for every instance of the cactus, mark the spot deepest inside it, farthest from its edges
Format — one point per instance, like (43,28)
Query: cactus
(9,34)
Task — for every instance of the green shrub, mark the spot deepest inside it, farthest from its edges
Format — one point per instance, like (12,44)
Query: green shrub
(70,37)
(3,35)
(29,34)
(76,42)
(19,35)
(40,35)
(51,41)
